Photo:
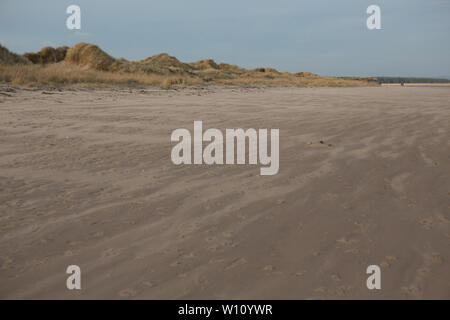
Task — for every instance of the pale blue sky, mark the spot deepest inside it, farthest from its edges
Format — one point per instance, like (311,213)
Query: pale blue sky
(328,37)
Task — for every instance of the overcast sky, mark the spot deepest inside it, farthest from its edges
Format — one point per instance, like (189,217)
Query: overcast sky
(328,37)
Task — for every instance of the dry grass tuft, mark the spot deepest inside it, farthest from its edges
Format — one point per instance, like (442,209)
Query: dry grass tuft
(205,65)
(7,57)
(164,64)
(63,73)
(89,55)
(47,55)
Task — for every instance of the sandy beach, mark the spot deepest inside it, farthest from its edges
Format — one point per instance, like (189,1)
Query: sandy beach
(86,179)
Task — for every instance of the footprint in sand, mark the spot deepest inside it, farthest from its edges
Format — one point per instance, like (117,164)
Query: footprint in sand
(183,258)
(423,272)
(433,258)
(345,241)
(389,260)
(429,259)
(175,264)
(430,222)
(216,260)
(321,290)
(269,268)
(5,262)
(189,255)
(109,253)
(340,290)
(352,251)
(237,263)
(127,292)
(99,234)
(216,243)
(68,253)
(336,278)
(429,161)
(398,183)
(412,291)
(320,143)
(300,273)
(427,223)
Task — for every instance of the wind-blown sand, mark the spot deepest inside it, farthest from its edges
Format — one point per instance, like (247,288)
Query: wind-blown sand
(86,179)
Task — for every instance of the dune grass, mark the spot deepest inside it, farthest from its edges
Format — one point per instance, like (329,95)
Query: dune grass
(7,57)
(64,74)
(86,63)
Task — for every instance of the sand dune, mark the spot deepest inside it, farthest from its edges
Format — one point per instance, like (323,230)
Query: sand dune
(86,179)
(86,63)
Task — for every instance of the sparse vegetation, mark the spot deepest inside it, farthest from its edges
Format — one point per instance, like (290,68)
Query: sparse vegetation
(86,63)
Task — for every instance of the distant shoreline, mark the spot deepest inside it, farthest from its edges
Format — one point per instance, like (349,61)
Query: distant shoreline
(416,84)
